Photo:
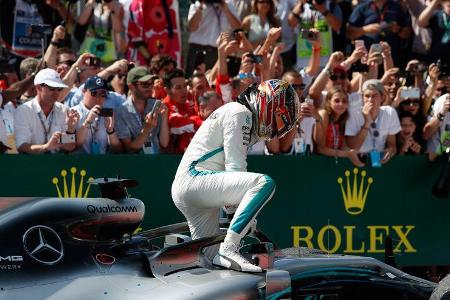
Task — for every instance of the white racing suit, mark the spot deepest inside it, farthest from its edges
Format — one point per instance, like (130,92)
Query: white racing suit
(212,174)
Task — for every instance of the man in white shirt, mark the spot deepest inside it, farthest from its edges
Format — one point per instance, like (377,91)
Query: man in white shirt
(440,119)
(40,123)
(372,130)
(205,23)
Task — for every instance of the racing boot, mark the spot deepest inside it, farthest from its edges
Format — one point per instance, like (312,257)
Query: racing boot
(230,258)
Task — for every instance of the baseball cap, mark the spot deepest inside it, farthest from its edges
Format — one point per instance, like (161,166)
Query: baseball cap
(373,84)
(49,77)
(95,83)
(138,74)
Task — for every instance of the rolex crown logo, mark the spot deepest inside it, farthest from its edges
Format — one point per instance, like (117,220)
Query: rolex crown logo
(355,196)
(75,191)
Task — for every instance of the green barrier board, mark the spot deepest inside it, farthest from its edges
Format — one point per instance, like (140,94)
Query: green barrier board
(318,202)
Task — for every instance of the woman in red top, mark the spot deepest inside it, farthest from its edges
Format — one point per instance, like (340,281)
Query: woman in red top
(329,130)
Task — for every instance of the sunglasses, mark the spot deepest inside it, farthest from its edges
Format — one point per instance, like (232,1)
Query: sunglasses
(98,94)
(264,1)
(67,62)
(375,132)
(52,89)
(300,86)
(411,102)
(336,76)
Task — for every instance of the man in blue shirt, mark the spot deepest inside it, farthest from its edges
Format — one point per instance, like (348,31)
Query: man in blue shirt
(380,20)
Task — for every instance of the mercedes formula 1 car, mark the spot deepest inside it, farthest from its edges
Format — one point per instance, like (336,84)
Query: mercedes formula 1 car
(52,248)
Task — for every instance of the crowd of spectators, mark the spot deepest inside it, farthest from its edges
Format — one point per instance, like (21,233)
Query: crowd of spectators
(107,76)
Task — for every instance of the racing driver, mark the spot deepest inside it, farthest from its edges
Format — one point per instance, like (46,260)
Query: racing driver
(212,173)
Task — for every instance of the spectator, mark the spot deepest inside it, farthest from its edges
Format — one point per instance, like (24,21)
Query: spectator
(288,34)
(39,123)
(95,131)
(162,64)
(436,126)
(140,130)
(330,127)
(153,29)
(105,36)
(407,141)
(65,58)
(260,21)
(373,129)
(113,99)
(205,23)
(436,17)
(183,121)
(27,67)
(318,16)
(380,20)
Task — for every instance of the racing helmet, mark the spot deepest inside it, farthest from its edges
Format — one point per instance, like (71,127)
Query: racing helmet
(275,107)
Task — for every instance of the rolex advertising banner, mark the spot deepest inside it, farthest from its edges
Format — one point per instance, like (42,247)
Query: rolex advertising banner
(319,202)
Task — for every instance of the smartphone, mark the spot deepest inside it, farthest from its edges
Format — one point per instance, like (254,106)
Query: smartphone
(233,64)
(156,107)
(67,138)
(410,93)
(308,35)
(359,44)
(106,112)
(363,157)
(309,100)
(93,61)
(257,59)
(376,48)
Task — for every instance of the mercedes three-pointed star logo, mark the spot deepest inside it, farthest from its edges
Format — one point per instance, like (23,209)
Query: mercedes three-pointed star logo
(43,245)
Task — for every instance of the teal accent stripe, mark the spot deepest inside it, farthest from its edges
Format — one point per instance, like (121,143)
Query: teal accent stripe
(254,206)
(194,172)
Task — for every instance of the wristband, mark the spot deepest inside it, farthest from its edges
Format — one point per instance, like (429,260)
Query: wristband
(366,128)
(440,117)
(56,44)
(111,132)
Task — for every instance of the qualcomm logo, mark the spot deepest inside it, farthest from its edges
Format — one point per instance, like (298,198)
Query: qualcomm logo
(43,245)
(355,194)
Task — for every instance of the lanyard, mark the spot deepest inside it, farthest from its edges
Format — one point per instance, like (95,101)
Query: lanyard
(335,137)
(381,14)
(217,12)
(373,130)
(46,130)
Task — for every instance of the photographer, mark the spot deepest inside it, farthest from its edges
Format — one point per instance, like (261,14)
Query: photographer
(436,125)
(41,123)
(316,14)
(139,128)
(206,20)
(436,17)
(380,20)
(95,129)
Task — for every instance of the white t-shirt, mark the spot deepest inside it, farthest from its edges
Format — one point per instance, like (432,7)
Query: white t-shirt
(29,122)
(214,21)
(3,137)
(387,123)
(434,141)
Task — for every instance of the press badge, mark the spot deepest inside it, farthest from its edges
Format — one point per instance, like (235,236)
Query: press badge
(95,148)
(147,148)
(375,158)
(299,145)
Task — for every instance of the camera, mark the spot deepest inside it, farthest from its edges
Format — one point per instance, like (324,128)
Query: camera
(444,67)
(67,138)
(257,59)
(410,93)
(359,67)
(308,35)
(233,64)
(41,29)
(106,112)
